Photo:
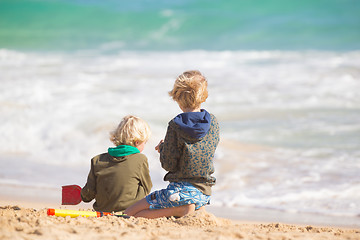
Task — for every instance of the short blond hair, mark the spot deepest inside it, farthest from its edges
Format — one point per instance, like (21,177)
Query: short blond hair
(190,89)
(130,130)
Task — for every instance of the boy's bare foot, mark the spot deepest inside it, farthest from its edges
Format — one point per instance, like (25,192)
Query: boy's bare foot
(201,209)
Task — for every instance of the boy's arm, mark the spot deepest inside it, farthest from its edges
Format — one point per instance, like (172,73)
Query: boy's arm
(145,177)
(169,151)
(88,192)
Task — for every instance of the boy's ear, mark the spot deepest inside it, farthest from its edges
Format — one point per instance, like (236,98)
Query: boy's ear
(137,143)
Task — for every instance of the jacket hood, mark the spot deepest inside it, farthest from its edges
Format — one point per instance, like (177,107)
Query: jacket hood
(122,151)
(195,124)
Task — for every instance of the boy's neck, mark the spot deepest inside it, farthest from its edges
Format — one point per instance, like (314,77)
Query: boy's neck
(191,110)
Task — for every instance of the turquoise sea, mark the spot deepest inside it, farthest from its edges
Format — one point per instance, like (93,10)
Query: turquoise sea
(180,24)
(284,80)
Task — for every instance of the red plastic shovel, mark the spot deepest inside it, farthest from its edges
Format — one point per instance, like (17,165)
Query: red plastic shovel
(71,195)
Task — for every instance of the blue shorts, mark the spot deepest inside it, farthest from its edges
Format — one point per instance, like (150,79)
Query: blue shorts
(177,194)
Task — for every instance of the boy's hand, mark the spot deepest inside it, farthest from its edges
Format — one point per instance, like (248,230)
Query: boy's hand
(157,148)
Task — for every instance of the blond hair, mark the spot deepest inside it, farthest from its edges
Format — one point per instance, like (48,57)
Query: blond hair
(130,130)
(190,90)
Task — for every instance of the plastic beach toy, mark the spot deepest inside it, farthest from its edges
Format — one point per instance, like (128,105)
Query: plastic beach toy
(75,213)
(71,195)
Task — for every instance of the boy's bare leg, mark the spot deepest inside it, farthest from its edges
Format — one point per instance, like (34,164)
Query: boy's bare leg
(137,207)
(166,212)
(141,209)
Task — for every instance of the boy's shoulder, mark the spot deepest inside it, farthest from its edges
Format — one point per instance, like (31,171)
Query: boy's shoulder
(100,158)
(172,122)
(212,116)
(137,156)
(106,157)
(213,119)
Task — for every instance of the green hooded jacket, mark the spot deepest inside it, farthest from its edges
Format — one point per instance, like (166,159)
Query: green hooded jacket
(117,182)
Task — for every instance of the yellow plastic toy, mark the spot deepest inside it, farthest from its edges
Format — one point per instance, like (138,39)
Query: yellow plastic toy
(75,213)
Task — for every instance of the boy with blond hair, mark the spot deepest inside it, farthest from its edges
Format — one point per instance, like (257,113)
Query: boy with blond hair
(186,153)
(120,177)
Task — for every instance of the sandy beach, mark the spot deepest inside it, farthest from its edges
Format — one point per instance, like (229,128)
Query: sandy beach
(23,215)
(22,221)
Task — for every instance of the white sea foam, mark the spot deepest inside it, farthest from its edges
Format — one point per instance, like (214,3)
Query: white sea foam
(300,110)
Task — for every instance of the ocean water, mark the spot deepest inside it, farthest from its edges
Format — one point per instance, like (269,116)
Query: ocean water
(180,24)
(284,80)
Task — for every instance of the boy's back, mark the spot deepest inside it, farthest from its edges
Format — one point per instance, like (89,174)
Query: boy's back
(116,180)
(189,148)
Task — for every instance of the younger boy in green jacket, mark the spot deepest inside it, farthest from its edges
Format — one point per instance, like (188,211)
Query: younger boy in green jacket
(120,177)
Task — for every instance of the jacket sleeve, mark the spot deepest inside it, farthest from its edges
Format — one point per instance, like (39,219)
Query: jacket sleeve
(145,177)
(88,192)
(169,151)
